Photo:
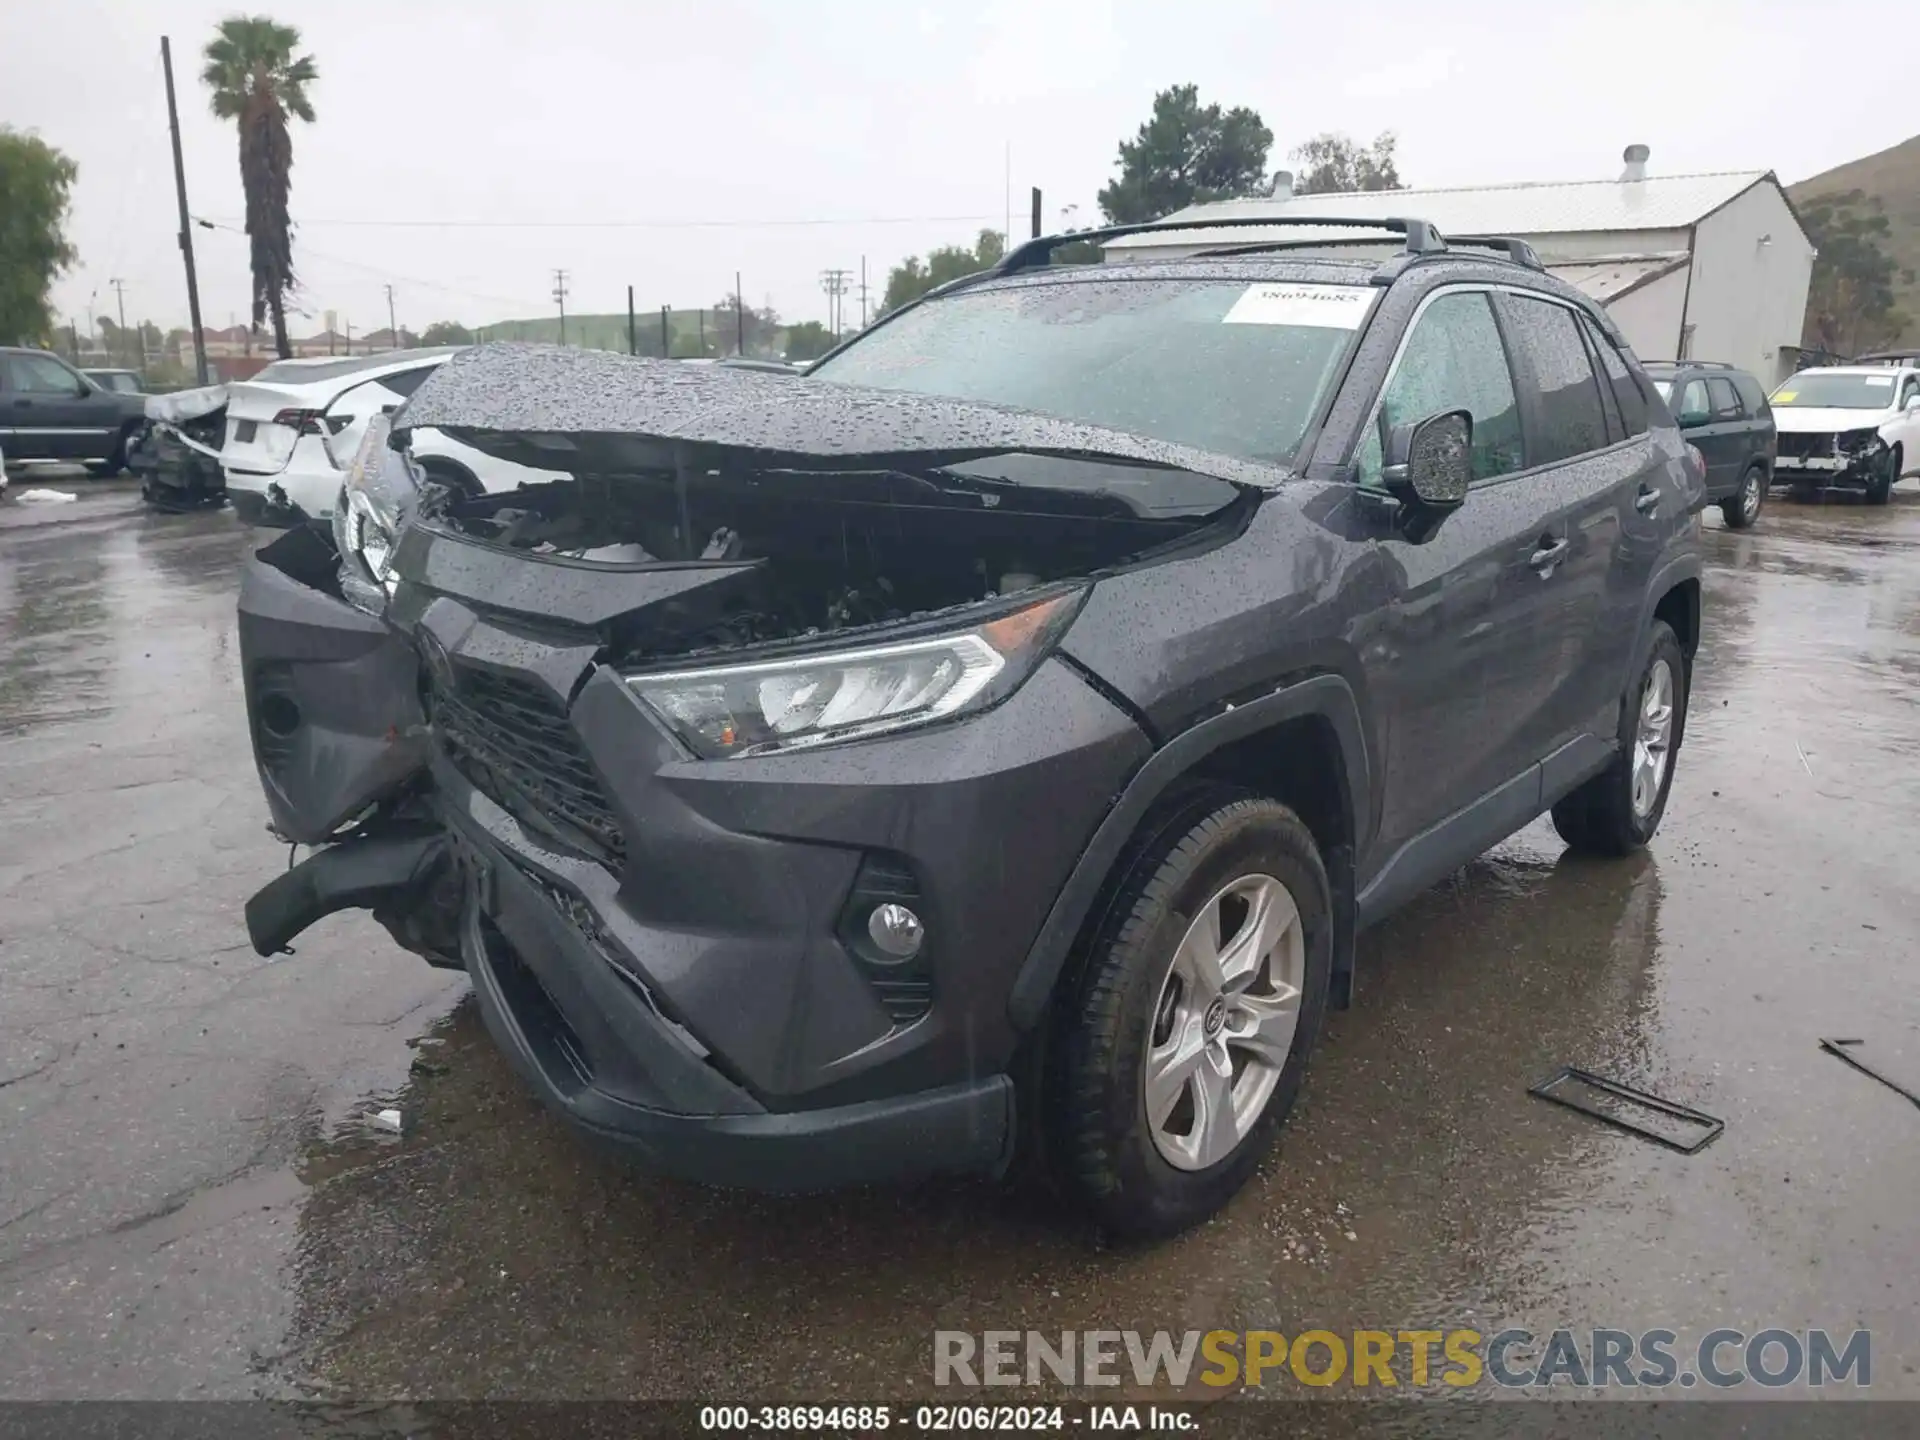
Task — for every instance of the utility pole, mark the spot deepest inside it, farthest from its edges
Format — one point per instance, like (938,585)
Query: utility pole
(560,299)
(834,283)
(349,337)
(186,233)
(1036,212)
(392,329)
(633,341)
(863,292)
(739,318)
(120,301)
(666,332)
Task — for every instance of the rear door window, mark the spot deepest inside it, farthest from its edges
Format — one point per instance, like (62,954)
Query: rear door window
(1724,399)
(1567,412)
(1453,360)
(1693,408)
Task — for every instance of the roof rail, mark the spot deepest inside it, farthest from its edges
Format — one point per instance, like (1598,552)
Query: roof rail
(1421,238)
(1516,250)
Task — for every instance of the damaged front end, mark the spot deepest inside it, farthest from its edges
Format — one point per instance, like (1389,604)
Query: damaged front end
(664,752)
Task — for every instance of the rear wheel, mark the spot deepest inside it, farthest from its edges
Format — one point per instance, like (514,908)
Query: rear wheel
(1183,1046)
(1618,810)
(1742,508)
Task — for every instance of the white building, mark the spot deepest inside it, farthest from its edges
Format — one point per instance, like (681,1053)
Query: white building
(1702,267)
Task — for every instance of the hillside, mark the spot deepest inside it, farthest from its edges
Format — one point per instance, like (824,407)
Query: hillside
(1894,177)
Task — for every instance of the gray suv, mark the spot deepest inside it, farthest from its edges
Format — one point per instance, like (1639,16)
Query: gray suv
(991,742)
(1724,414)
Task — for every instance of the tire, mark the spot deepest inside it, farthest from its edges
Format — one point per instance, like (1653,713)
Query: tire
(1742,508)
(1601,817)
(1880,489)
(1142,1181)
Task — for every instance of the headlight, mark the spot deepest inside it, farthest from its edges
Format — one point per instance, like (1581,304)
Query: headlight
(374,499)
(734,710)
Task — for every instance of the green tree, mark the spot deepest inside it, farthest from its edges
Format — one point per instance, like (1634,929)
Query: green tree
(1850,305)
(257,81)
(446,332)
(808,340)
(1185,154)
(912,277)
(1333,162)
(35,181)
(727,329)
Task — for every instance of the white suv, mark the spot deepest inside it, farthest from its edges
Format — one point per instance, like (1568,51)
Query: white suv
(292,430)
(1856,426)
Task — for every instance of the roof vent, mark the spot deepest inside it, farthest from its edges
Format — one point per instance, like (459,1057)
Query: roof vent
(1282,185)
(1636,158)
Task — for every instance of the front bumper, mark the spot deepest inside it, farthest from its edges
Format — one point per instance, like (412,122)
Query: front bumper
(691,982)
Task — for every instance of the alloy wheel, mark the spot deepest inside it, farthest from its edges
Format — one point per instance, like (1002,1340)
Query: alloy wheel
(1653,740)
(1225,1021)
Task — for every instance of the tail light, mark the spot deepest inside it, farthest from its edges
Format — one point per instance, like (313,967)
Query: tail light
(303,422)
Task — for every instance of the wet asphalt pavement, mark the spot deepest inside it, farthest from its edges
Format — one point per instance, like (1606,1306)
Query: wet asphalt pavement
(194,1201)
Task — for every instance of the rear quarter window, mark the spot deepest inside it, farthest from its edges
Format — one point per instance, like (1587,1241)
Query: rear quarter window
(1752,397)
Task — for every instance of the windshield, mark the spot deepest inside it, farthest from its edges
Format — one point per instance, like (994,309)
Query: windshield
(1222,366)
(1811,389)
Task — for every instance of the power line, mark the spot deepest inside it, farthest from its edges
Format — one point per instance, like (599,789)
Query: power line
(307,250)
(676,224)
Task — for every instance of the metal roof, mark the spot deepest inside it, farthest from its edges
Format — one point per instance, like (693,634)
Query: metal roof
(1608,277)
(1660,202)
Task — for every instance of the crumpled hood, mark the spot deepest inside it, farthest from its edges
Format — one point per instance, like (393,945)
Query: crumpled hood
(1792,420)
(547,389)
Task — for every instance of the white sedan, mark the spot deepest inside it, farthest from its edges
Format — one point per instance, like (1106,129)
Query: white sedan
(292,430)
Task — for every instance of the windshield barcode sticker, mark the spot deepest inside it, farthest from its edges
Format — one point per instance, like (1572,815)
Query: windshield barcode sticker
(1325,307)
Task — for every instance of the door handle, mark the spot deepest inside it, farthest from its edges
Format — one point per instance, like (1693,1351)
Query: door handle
(1549,554)
(1647,501)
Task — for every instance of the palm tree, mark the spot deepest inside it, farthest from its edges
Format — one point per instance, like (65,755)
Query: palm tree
(256,81)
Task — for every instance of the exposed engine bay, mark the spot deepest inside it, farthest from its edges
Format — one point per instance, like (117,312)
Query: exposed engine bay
(825,547)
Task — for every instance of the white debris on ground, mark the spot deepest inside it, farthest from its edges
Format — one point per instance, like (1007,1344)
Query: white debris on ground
(45,497)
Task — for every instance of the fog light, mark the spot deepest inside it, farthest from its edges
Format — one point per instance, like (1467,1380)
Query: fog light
(896,930)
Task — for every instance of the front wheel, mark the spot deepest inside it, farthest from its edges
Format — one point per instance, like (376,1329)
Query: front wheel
(1880,487)
(1183,1046)
(1742,508)
(1618,810)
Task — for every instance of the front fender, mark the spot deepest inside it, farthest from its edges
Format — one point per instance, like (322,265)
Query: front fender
(1326,696)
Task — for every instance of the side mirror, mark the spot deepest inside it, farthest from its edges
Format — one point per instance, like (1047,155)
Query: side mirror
(1429,464)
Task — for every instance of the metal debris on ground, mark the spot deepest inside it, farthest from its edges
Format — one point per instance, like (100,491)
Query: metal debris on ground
(388,1120)
(1698,1129)
(1842,1049)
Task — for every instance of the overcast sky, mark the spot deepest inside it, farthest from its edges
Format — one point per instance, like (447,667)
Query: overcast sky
(666,145)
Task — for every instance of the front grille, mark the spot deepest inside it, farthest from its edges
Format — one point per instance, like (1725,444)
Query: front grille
(1804,447)
(513,741)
